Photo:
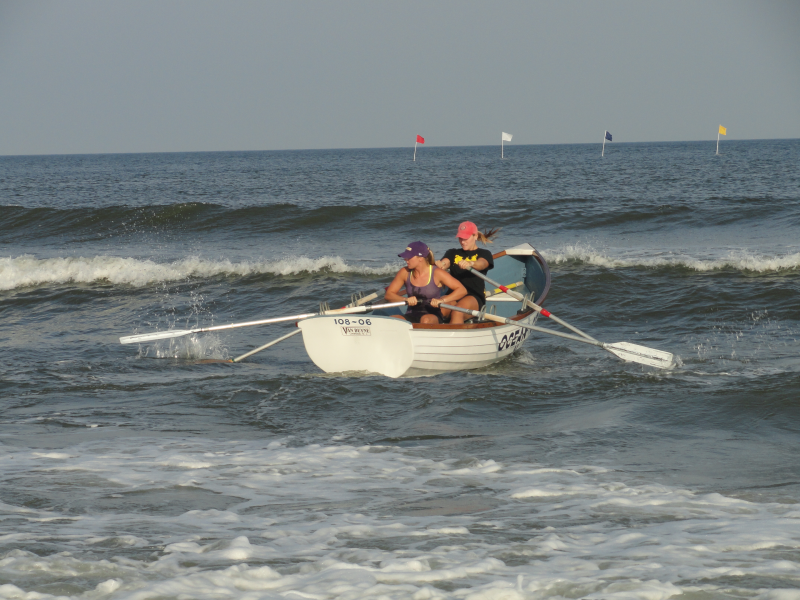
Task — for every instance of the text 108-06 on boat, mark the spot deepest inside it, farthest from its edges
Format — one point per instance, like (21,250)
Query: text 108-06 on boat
(392,347)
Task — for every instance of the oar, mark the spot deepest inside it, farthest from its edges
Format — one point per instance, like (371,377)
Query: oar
(624,350)
(365,299)
(359,302)
(163,335)
(510,286)
(267,345)
(544,312)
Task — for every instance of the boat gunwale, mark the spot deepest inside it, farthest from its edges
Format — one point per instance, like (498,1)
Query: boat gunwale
(464,326)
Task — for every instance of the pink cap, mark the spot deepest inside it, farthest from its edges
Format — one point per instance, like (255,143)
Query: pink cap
(466,229)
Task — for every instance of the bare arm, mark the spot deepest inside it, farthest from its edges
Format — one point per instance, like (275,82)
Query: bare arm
(457,291)
(393,291)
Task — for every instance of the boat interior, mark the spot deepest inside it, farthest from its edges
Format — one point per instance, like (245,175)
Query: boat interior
(520,268)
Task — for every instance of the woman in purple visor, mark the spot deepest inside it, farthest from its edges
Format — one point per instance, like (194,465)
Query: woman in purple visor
(423,281)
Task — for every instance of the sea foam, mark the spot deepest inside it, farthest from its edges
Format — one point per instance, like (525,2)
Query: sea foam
(29,271)
(308,521)
(736,260)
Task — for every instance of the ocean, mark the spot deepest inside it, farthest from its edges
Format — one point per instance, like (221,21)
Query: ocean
(143,472)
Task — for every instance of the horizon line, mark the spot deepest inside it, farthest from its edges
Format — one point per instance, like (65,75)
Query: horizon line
(712,141)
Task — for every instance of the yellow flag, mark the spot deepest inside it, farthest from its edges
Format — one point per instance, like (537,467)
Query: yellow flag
(722,130)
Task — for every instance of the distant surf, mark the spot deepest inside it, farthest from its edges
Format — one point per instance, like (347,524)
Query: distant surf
(29,271)
(742,260)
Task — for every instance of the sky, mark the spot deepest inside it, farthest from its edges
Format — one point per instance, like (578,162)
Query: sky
(87,76)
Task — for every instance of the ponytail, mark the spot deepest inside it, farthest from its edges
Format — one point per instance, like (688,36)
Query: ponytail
(487,235)
(430,258)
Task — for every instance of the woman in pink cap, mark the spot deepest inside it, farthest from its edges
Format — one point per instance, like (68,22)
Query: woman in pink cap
(469,255)
(423,282)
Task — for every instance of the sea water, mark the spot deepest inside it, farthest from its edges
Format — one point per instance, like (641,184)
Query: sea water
(144,472)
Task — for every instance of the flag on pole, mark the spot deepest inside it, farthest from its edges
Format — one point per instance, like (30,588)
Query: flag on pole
(504,137)
(607,136)
(722,131)
(420,140)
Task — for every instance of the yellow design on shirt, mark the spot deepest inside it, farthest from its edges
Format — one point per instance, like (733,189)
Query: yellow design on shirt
(459,258)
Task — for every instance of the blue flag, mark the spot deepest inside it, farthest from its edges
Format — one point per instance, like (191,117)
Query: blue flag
(608,136)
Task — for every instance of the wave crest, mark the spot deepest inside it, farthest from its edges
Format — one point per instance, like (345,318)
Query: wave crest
(29,271)
(736,260)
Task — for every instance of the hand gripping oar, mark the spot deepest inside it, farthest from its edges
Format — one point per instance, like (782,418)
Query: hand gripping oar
(163,335)
(624,350)
(544,312)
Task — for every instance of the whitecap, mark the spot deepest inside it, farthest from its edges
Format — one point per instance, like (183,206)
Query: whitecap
(738,260)
(29,271)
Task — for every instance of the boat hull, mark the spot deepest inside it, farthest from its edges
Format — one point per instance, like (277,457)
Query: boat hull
(381,343)
(392,347)
(437,351)
(374,344)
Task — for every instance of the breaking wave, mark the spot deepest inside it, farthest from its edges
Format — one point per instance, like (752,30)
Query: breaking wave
(737,260)
(28,271)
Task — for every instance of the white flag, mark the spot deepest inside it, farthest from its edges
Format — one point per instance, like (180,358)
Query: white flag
(507,137)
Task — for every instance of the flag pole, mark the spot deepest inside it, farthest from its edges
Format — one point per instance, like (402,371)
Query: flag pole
(501,145)
(603,153)
(415,151)
(717,141)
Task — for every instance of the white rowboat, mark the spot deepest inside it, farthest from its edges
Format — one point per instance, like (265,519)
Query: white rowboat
(368,337)
(379,343)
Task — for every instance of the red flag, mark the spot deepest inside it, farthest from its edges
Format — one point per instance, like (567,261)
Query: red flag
(420,139)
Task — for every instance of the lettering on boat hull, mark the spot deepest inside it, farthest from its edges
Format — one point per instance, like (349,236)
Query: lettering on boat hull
(513,340)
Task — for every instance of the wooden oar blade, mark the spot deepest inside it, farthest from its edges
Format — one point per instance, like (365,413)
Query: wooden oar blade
(152,337)
(642,355)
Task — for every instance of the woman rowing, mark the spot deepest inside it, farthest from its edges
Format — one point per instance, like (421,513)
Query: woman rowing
(459,261)
(423,281)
